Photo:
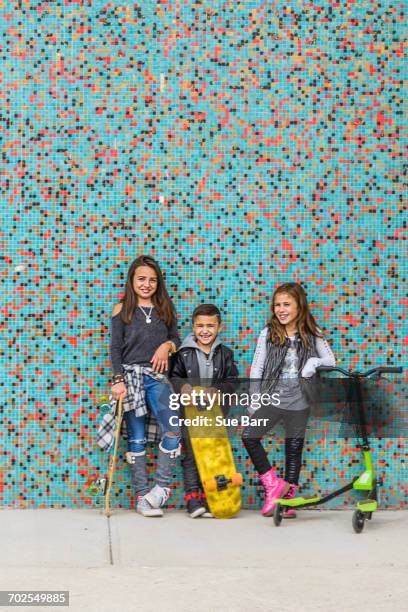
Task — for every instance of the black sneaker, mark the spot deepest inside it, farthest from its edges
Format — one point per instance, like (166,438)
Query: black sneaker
(195,507)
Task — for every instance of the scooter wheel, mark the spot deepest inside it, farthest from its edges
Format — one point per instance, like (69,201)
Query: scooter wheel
(278,515)
(358,521)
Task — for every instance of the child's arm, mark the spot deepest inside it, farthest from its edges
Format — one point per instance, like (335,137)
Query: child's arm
(226,385)
(325,358)
(258,362)
(178,373)
(231,370)
(258,365)
(116,340)
(177,367)
(118,388)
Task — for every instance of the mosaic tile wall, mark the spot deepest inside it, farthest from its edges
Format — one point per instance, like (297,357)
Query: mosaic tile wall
(241,143)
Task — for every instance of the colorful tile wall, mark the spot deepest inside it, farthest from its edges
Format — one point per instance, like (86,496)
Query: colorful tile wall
(243,144)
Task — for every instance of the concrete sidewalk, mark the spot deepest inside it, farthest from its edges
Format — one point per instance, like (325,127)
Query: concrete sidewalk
(130,563)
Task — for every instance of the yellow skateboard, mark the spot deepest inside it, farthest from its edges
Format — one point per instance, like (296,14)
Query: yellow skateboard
(214,459)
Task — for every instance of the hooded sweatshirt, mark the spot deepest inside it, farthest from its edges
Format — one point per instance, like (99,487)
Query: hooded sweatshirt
(205,361)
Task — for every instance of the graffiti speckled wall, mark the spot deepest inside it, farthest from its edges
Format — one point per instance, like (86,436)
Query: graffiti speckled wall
(242,144)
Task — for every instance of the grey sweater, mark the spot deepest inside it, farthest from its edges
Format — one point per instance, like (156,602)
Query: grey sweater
(137,341)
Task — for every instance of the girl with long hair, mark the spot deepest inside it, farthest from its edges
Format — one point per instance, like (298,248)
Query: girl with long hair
(143,336)
(289,348)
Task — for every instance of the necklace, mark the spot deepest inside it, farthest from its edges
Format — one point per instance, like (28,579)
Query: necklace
(148,317)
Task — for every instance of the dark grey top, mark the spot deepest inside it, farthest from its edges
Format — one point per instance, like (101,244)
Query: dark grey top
(288,387)
(138,341)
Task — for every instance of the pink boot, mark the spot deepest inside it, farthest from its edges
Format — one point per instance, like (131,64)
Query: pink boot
(290,512)
(274,489)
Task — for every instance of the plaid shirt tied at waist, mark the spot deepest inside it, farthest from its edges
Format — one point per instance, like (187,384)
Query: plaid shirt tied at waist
(135,400)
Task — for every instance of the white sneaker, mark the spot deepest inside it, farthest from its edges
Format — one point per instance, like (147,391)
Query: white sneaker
(145,509)
(158,496)
(207,514)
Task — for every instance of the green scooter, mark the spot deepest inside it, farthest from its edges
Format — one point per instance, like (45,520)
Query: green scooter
(367,480)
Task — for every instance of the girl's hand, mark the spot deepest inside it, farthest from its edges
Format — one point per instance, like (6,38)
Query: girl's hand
(309,369)
(119,391)
(160,360)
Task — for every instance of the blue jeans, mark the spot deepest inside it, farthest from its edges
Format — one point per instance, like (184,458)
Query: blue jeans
(158,400)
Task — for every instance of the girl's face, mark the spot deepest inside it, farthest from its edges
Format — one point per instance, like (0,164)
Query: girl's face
(144,282)
(285,308)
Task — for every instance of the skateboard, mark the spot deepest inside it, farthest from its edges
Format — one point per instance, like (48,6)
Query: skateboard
(214,459)
(103,486)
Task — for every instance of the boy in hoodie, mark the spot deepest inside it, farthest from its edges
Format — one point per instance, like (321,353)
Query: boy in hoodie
(201,356)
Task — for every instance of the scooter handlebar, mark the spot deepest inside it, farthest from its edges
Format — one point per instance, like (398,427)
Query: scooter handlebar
(390,369)
(380,370)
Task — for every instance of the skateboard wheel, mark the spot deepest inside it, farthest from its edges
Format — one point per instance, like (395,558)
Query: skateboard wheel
(94,489)
(237,480)
(210,485)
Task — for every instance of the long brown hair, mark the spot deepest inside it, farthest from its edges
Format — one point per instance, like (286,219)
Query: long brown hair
(160,299)
(305,321)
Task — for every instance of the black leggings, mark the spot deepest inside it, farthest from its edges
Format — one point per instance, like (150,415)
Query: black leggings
(294,422)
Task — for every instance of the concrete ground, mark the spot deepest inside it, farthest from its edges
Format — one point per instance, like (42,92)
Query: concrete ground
(129,563)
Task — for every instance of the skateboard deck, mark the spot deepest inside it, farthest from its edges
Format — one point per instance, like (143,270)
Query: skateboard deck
(214,459)
(103,486)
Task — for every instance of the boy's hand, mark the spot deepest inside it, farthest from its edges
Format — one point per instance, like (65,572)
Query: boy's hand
(211,391)
(186,389)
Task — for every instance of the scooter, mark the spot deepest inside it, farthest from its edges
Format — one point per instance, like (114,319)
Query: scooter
(367,481)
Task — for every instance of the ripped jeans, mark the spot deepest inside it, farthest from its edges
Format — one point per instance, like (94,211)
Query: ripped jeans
(158,399)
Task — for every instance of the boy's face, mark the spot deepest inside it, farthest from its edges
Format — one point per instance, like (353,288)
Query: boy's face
(206,329)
